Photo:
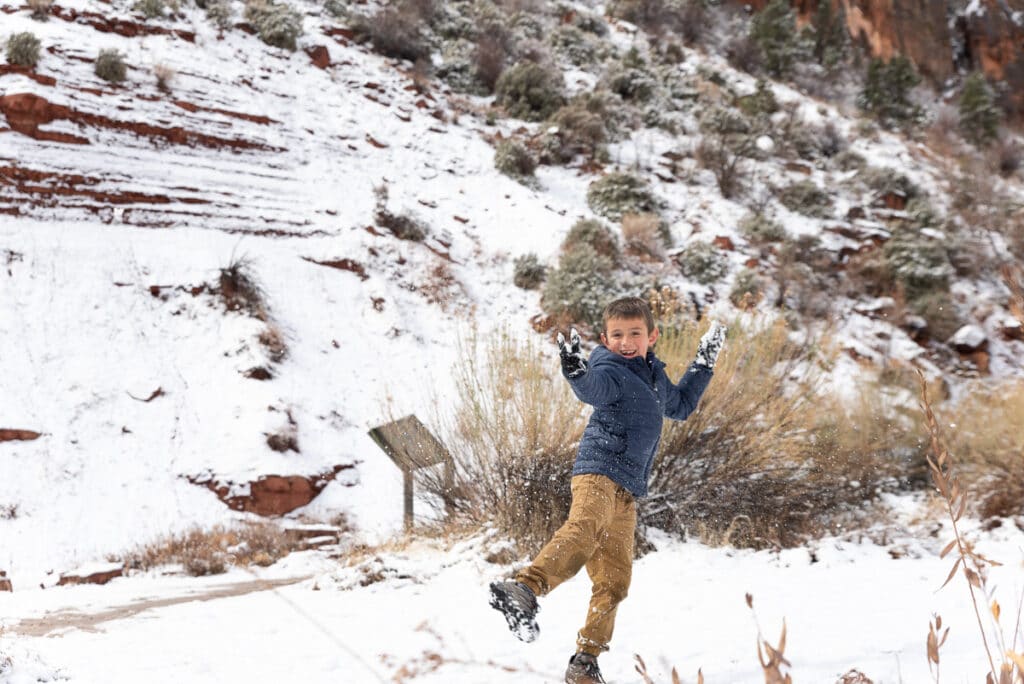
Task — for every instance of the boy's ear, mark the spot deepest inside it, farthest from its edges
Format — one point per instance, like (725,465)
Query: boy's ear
(604,340)
(654,336)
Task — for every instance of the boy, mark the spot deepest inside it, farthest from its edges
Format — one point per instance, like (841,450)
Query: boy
(627,385)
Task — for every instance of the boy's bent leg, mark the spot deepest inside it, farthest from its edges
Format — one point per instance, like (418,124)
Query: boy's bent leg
(610,570)
(593,505)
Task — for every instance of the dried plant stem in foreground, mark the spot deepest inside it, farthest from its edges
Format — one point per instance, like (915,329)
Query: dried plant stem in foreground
(973,564)
(775,654)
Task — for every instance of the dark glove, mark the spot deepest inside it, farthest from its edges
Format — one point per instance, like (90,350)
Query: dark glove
(573,362)
(710,345)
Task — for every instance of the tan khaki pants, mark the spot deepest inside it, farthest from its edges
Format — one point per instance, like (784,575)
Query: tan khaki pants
(599,535)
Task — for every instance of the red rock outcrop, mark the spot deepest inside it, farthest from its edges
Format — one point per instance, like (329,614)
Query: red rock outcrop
(26,112)
(272,494)
(990,39)
(5,584)
(9,435)
(994,44)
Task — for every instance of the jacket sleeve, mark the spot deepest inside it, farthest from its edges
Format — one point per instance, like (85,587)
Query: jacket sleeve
(683,398)
(598,386)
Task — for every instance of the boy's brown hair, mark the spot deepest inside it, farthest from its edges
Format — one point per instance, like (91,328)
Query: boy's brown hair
(629,307)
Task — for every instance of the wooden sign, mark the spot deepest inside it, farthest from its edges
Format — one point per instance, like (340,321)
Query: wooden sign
(412,446)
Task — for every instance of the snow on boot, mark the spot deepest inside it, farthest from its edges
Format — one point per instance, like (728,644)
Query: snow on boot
(518,604)
(583,669)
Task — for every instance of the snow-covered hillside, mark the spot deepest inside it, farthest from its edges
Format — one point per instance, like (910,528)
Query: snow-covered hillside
(136,393)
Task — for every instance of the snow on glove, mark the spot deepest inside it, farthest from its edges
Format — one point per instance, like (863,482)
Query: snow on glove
(710,345)
(573,363)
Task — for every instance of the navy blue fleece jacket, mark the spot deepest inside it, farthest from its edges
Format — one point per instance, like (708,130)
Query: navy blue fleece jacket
(629,397)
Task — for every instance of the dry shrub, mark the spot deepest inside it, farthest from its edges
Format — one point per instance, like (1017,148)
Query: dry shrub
(212,551)
(1007,156)
(240,290)
(643,234)
(513,432)
(164,76)
(40,9)
(989,443)
(489,58)
(272,340)
(396,31)
(768,459)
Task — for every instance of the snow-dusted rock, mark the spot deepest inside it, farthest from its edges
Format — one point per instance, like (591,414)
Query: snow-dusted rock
(969,339)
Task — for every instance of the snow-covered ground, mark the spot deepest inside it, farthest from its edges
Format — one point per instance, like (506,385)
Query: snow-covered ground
(846,605)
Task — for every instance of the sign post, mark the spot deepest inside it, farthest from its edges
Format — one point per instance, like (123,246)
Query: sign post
(412,446)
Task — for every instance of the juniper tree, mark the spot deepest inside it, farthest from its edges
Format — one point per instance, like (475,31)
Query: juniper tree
(829,37)
(979,117)
(886,92)
(773,31)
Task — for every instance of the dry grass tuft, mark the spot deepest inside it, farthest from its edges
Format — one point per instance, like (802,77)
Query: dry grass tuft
(40,9)
(240,290)
(513,433)
(164,77)
(768,459)
(642,234)
(213,551)
(972,564)
(273,341)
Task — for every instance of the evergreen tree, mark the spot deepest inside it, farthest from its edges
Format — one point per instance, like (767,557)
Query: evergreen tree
(886,92)
(773,31)
(979,117)
(829,35)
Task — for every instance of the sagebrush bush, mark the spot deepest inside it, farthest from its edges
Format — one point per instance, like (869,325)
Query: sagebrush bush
(747,289)
(766,460)
(759,227)
(762,102)
(631,79)
(528,272)
(575,130)
(151,9)
(580,48)
(221,13)
(396,31)
(110,66)
(513,432)
(596,234)
(213,551)
(530,91)
(703,262)
(23,49)
(805,197)
(617,194)
(939,310)
(513,159)
(848,160)
(277,24)
(579,288)
(885,179)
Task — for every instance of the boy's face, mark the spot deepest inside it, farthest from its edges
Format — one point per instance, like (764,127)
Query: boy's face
(628,337)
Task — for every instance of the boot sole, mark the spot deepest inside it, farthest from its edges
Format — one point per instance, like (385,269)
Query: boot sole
(524,628)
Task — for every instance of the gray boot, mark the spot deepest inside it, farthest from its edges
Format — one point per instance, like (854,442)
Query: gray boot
(518,604)
(583,669)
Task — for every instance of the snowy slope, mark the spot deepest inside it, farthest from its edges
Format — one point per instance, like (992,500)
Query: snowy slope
(129,201)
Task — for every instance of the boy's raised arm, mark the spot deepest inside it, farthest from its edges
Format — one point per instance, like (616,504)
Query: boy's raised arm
(684,397)
(592,387)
